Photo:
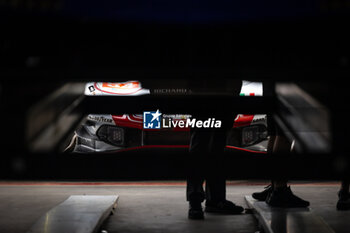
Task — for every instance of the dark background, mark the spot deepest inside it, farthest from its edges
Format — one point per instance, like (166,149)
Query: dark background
(44,44)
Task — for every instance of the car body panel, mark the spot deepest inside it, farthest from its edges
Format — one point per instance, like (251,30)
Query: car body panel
(95,134)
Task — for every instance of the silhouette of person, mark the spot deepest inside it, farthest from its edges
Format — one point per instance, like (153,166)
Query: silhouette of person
(206,161)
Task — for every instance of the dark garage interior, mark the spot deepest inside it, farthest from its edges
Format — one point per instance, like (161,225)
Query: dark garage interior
(79,79)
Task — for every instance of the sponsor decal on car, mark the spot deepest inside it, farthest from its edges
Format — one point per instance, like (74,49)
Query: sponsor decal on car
(172,91)
(100,118)
(129,88)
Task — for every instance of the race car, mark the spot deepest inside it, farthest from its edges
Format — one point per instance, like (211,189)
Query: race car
(106,133)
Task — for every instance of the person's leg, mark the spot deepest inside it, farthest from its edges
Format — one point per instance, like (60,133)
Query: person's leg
(279,194)
(200,146)
(195,196)
(215,180)
(282,196)
(215,187)
(344,196)
(344,186)
(195,172)
(215,177)
(262,195)
(198,152)
(194,190)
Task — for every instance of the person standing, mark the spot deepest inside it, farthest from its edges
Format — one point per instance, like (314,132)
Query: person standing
(206,163)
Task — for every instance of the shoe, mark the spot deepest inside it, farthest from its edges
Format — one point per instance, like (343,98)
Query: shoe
(195,211)
(344,201)
(223,207)
(284,198)
(261,196)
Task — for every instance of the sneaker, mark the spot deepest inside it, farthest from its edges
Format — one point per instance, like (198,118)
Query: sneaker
(261,196)
(344,201)
(223,207)
(195,211)
(284,198)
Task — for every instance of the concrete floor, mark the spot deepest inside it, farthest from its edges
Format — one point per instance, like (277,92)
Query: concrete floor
(164,209)
(154,208)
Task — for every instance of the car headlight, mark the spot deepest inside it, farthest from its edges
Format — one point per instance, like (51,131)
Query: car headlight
(253,134)
(111,134)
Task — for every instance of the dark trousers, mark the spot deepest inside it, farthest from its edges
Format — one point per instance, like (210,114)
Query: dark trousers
(206,162)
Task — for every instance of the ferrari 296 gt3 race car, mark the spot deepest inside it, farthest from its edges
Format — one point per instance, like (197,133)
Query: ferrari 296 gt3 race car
(106,133)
